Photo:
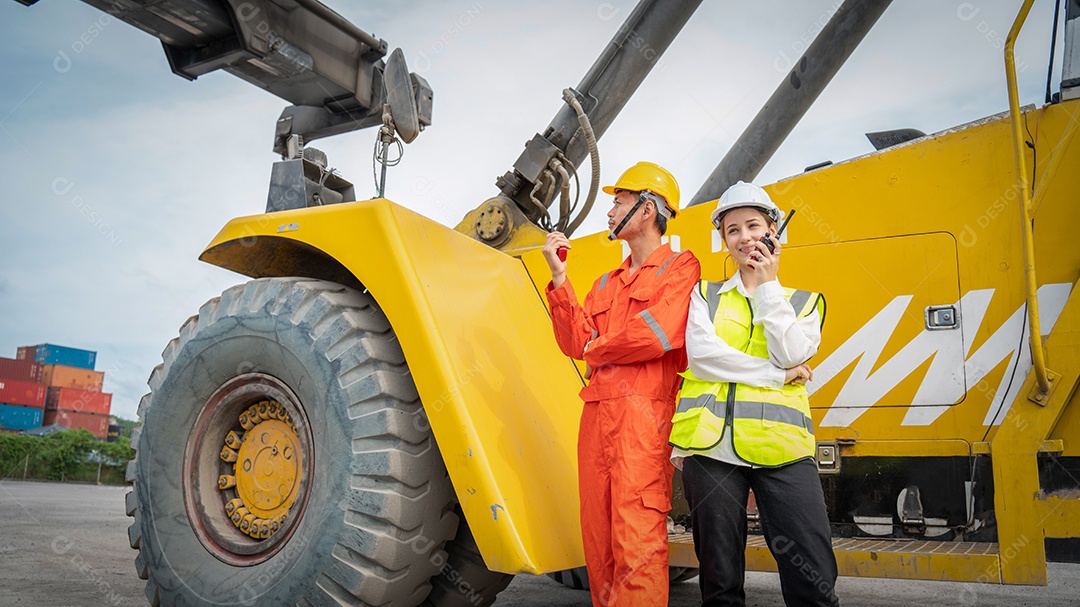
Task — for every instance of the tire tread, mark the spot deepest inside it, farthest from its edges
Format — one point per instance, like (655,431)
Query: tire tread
(349,330)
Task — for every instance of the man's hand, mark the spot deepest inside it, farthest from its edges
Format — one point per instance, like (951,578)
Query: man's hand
(799,375)
(555,241)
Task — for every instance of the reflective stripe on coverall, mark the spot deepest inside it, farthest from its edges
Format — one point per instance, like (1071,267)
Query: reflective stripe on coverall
(636,324)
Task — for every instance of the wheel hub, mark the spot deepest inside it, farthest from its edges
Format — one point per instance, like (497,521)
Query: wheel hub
(267,460)
(247,469)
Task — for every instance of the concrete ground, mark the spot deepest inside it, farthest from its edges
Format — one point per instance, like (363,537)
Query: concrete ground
(66,544)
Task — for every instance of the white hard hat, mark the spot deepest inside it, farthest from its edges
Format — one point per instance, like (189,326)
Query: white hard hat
(744,194)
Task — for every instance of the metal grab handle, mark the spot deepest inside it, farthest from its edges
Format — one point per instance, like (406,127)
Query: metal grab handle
(1038,360)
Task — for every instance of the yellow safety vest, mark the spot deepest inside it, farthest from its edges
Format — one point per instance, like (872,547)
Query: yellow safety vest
(769,427)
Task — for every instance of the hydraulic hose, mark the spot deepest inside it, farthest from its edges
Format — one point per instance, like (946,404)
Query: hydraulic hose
(564,192)
(594,156)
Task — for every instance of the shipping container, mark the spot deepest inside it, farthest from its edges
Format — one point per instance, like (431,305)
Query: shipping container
(84,401)
(26,353)
(52,354)
(23,393)
(96,423)
(63,376)
(15,417)
(20,370)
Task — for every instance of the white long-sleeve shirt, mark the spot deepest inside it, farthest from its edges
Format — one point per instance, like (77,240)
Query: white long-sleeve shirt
(791,342)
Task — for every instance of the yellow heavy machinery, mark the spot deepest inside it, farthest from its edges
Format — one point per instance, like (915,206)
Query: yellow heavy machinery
(363,422)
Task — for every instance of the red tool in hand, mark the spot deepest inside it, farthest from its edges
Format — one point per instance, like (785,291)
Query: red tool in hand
(561,252)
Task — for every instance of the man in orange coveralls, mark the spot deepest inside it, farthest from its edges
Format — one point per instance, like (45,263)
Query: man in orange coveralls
(630,332)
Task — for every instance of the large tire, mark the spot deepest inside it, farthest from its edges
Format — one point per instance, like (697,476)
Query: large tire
(678,575)
(372,506)
(578,577)
(465,581)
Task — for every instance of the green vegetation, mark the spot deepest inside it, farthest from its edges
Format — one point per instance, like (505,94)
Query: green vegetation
(126,426)
(72,455)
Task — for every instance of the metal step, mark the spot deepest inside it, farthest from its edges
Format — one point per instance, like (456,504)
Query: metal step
(875,557)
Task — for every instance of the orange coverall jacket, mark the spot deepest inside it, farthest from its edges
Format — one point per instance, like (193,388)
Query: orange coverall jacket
(636,324)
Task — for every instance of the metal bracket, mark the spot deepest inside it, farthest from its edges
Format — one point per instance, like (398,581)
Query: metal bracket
(1053,445)
(909,507)
(1043,398)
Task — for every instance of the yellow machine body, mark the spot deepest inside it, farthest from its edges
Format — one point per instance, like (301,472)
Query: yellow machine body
(895,240)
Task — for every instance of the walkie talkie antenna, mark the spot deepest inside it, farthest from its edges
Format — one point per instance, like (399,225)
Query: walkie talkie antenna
(784,225)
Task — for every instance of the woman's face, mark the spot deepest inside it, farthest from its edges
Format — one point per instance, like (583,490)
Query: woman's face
(741,229)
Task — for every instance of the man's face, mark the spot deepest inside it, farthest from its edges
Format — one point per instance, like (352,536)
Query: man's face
(624,201)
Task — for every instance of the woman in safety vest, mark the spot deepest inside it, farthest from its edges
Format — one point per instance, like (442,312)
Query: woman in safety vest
(743,416)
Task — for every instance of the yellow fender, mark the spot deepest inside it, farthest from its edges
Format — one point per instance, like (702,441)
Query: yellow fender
(500,397)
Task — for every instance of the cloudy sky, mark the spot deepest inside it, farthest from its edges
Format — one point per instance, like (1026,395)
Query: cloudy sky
(117,173)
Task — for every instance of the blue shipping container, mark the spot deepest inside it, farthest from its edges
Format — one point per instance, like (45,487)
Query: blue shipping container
(51,354)
(14,417)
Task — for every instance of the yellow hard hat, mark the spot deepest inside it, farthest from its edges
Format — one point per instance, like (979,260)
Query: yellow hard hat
(647,176)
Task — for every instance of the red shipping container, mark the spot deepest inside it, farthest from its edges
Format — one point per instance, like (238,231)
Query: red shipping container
(97,424)
(84,401)
(62,376)
(26,353)
(22,393)
(20,370)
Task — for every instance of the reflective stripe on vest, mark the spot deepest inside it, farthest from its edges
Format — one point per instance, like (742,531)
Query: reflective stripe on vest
(749,410)
(769,427)
(712,296)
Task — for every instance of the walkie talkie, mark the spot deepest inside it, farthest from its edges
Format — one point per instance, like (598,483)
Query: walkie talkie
(768,241)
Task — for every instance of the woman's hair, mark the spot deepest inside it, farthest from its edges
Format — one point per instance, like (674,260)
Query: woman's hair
(764,215)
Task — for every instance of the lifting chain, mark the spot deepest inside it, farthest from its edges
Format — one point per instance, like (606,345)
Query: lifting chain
(387,135)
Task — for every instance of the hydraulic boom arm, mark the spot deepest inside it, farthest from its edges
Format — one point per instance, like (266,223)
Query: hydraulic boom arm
(531,186)
(329,69)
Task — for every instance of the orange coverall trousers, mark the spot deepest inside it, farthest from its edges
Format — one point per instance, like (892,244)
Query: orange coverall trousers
(624,478)
(631,330)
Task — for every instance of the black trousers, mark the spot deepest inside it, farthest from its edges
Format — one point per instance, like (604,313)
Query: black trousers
(793,519)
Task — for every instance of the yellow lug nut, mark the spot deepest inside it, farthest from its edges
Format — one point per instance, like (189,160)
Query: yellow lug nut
(233,505)
(225,481)
(263,409)
(246,420)
(245,523)
(272,410)
(238,515)
(232,440)
(228,455)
